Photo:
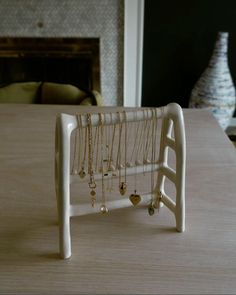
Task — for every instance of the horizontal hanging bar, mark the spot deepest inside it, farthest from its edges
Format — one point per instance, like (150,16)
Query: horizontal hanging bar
(114,117)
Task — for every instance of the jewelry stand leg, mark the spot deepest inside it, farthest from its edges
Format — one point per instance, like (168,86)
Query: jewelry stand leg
(63,189)
(180,140)
(178,144)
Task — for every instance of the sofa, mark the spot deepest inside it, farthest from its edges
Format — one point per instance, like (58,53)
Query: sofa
(48,93)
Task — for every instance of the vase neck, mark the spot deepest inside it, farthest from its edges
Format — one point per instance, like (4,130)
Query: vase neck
(221,48)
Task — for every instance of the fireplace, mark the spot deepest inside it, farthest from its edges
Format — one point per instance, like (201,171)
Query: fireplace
(74,19)
(60,60)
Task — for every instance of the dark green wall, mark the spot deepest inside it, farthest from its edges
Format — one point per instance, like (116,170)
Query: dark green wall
(179,37)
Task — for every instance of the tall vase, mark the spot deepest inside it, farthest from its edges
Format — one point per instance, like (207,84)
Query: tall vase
(215,89)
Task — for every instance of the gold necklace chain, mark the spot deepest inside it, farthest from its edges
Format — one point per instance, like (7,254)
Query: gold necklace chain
(103,207)
(122,184)
(92,183)
(82,172)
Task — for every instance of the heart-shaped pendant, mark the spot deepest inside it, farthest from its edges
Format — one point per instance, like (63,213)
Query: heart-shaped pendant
(134,199)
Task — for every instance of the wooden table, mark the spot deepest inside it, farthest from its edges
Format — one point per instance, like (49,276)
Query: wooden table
(126,252)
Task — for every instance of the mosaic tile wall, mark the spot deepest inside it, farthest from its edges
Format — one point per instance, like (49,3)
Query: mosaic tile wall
(74,18)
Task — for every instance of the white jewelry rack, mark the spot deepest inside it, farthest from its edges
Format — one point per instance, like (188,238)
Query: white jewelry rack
(172,121)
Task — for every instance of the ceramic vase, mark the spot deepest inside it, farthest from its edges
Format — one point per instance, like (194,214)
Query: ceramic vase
(215,89)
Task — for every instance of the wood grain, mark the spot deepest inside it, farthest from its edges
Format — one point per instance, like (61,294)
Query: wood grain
(127,251)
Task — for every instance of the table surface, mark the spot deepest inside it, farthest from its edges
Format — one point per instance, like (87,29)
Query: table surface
(126,252)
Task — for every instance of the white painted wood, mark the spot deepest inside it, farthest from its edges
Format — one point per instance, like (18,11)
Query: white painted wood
(172,117)
(133,52)
(114,117)
(168,202)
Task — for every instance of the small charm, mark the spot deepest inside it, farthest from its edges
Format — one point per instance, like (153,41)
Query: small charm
(123,188)
(151,210)
(134,198)
(103,209)
(82,173)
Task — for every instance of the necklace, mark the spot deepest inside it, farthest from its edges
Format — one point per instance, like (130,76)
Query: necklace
(151,209)
(82,172)
(111,166)
(135,142)
(157,204)
(139,145)
(95,146)
(92,183)
(135,198)
(128,143)
(122,184)
(147,143)
(108,154)
(103,207)
(97,168)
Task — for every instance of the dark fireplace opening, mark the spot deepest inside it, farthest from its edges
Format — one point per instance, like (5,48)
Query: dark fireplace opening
(76,71)
(74,61)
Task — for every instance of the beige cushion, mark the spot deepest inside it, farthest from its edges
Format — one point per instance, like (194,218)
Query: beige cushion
(89,101)
(54,93)
(86,102)
(26,92)
(98,97)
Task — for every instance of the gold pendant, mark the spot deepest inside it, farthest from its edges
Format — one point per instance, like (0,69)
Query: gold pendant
(82,173)
(93,193)
(122,188)
(134,199)
(104,209)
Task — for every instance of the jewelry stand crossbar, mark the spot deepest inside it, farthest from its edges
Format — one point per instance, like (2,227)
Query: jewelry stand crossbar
(172,136)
